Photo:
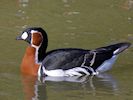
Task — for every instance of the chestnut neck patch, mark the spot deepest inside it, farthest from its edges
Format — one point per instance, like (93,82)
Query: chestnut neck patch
(37,39)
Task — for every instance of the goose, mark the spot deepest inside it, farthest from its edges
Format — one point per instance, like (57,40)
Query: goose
(65,61)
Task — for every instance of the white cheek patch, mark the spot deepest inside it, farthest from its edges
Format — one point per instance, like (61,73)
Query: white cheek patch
(24,35)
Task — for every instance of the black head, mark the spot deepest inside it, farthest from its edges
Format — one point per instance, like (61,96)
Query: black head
(37,38)
(34,36)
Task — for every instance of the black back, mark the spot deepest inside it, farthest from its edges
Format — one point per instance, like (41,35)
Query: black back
(64,58)
(71,57)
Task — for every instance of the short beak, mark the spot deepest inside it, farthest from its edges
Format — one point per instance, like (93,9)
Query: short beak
(18,38)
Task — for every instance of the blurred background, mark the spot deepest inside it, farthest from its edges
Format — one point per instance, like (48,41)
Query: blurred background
(84,24)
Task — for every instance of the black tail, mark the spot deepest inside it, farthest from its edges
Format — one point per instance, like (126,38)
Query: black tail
(115,48)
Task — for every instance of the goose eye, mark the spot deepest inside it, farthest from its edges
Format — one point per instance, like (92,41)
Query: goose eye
(24,35)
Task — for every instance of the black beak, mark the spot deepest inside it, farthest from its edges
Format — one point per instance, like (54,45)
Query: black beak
(19,38)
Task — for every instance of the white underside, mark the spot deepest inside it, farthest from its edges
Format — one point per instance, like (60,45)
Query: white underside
(76,71)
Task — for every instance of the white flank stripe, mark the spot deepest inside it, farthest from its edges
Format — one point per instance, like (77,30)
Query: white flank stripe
(76,71)
(56,73)
(60,73)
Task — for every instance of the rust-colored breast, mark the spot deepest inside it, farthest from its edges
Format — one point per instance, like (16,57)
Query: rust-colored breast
(28,65)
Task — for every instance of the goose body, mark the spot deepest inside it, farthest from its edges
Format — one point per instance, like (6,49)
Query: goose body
(65,61)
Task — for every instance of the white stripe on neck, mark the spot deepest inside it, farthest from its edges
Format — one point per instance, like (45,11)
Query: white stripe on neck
(36,47)
(36,53)
(33,31)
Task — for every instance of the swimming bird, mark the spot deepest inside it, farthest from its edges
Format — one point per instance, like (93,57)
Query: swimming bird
(65,61)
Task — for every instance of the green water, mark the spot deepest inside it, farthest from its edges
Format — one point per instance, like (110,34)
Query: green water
(69,23)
